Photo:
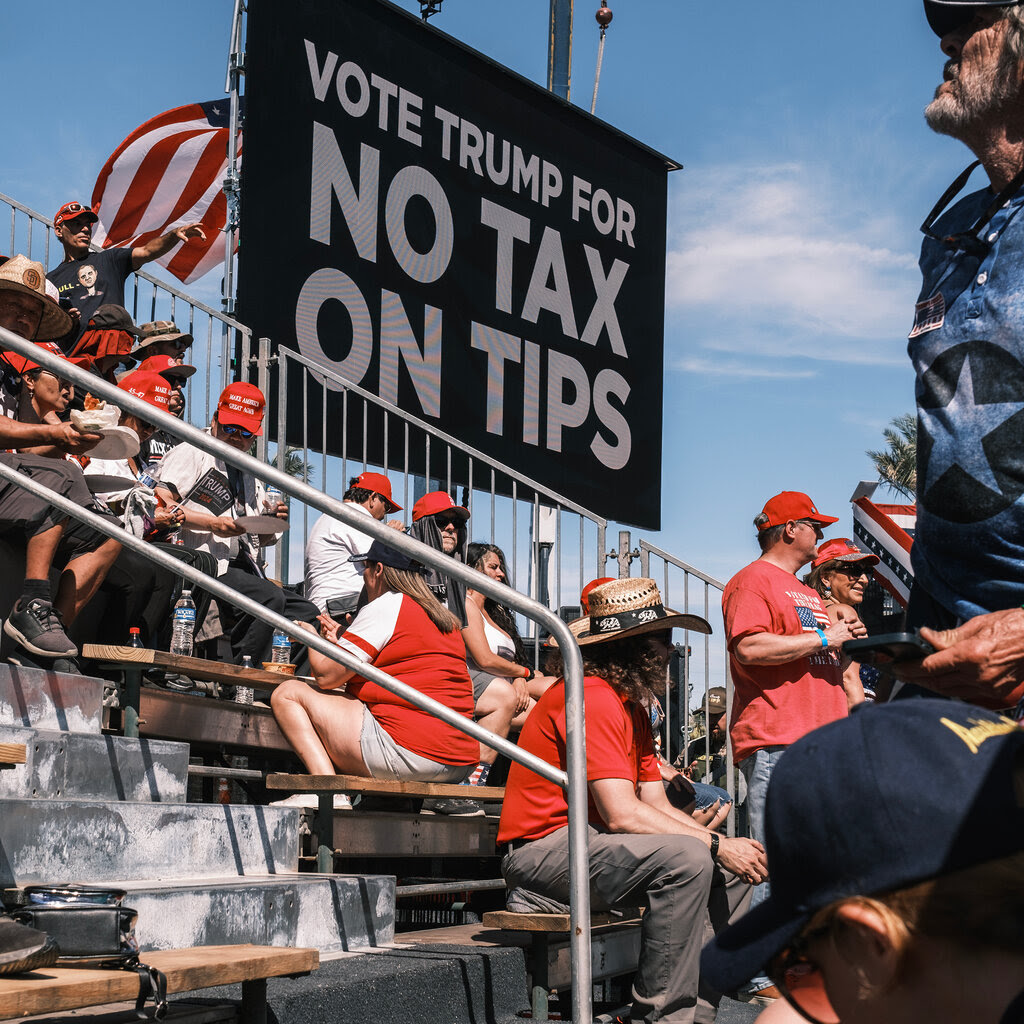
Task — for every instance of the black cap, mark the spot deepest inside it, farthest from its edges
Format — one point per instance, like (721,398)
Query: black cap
(387,555)
(893,795)
(946,15)
(112,317)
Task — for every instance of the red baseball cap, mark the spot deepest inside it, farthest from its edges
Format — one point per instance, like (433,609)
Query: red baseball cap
(167,367)
(69,211)
(585,595)
(379,484)
(790,505)
(241,405)
(437,501)
(841,549)
(22,365)
(150,387)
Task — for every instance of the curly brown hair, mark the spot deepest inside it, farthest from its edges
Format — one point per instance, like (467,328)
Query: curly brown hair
(631,666)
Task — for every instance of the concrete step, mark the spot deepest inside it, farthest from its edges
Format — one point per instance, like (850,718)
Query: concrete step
(49,841)
(334,913)
(84,766)
(31,698)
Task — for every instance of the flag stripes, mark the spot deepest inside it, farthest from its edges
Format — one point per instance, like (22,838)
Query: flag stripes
(887,531)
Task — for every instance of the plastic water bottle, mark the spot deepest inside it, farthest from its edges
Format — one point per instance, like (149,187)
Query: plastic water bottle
(272,495)
(281,652)
(244,694)
(184,626)
(134,637)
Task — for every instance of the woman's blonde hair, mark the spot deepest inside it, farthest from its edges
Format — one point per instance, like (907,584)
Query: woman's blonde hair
(413,585)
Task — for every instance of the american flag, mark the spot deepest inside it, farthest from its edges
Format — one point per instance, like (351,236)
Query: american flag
(169,172)
(811,619)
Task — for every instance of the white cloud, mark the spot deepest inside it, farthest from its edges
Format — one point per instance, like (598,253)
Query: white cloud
(781,264)
(733,368)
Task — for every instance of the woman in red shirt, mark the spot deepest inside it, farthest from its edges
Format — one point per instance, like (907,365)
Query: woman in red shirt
(351,725)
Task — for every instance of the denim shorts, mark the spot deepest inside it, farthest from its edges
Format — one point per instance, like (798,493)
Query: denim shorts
(387,760)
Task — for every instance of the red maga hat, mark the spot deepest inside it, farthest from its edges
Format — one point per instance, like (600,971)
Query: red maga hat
(379,484)
(167,367)
(841,549)
(22,364)
(150,387)
(241,405)
(69,211)
(437,501)
(790,505)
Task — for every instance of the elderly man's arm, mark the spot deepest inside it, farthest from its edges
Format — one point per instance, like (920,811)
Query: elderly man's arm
(157,247)
(981,662)
(773,649)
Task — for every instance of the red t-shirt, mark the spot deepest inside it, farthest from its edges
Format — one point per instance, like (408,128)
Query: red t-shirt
(775,705)
(396,635)
(619,746)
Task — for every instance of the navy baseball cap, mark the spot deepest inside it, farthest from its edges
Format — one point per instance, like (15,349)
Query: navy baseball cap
(387,555)
(893,795)
(946,15)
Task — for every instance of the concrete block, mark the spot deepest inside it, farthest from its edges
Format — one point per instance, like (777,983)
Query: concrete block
(84,766)
(32,698)
(428,985)
(44,841)
(334,913)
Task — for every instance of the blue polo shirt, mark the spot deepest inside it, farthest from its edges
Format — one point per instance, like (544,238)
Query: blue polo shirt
(967,347)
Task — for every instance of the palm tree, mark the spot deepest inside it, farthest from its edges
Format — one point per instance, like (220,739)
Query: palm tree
(896,464)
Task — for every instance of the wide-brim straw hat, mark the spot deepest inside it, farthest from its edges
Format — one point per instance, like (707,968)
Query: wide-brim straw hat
(20,274)
(630,607)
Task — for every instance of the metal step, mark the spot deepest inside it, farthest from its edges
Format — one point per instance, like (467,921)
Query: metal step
(84,766)
(48,841)
(31,698)
(334,913)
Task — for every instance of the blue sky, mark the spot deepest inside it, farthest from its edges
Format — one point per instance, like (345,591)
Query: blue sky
(792,232)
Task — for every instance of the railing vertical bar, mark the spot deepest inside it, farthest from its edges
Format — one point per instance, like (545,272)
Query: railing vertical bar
(515,519)
(209,362)
(366,430)
(344,438)
(405,472)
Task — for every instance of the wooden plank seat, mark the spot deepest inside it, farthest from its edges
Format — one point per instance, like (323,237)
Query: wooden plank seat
(57,989)
(12,754)
(615,949)
(326,786)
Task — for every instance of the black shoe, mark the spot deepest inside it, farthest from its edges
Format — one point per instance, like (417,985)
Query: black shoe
(69,666)
(24,949)
(37,627)
(453,806)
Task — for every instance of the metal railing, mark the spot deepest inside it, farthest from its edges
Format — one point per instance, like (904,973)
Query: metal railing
(685,585)
(573,780)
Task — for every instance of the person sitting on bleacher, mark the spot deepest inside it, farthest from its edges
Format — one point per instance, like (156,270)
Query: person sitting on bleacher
(37,620)
(353,726)
(213,495)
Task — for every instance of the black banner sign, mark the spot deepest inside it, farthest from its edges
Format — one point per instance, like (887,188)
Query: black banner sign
(453,238)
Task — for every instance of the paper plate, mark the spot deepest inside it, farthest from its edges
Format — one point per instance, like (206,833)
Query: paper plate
(106,483)
(117,443)
(262,524)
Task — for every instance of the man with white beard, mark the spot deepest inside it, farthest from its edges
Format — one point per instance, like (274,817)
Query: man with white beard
(967,346)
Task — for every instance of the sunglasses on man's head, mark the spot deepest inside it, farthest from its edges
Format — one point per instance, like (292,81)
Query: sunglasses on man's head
(234,431)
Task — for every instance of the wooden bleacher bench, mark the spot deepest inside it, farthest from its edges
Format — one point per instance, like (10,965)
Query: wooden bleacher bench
(326,786)
(617,934)
(61,989)
(12,754)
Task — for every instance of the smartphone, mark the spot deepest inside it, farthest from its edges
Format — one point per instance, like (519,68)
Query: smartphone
(886,647)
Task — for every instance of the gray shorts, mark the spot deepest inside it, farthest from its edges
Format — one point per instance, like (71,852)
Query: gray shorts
(481,680)
(387,760)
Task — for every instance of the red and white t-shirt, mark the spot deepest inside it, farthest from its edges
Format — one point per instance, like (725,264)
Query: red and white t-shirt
(619,746)
(396,635)
(775,705)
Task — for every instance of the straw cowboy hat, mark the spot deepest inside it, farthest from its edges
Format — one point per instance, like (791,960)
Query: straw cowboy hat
(630,607)
(20,274)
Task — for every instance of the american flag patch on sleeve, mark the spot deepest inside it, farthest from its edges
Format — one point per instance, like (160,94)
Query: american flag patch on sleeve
(809,619)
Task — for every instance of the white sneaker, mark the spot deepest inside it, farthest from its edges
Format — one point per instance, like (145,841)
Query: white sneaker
(309,800)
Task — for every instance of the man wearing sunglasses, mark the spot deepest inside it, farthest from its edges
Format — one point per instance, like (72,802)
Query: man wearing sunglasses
(213,495)
(784,652)
(967,346)
(105,270)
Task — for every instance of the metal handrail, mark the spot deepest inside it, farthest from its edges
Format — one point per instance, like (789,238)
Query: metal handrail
(573,780)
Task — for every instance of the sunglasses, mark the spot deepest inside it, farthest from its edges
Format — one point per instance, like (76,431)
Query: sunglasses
(443,522)
(232,431)
(800,981)
(854,571)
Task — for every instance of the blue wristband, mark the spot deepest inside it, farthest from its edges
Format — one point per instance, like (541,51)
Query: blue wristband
(822,637)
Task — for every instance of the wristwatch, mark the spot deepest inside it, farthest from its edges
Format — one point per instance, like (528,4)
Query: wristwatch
(715,840)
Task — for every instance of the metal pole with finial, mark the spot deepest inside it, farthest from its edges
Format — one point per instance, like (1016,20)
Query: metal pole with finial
(604,19)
